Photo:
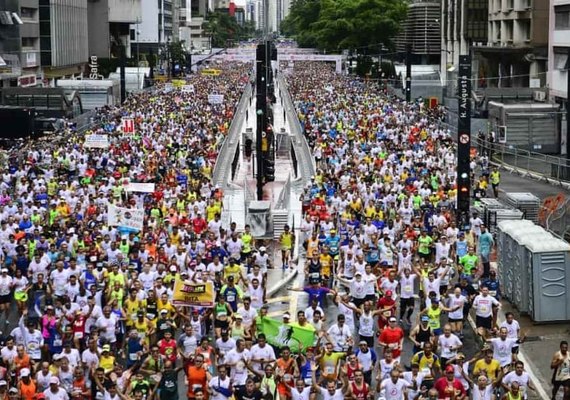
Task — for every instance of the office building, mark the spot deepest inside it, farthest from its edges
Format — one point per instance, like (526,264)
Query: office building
(559,45)
(421,32)
(19,43)
(516,51)
(64,44)
(158,25)
(109,25)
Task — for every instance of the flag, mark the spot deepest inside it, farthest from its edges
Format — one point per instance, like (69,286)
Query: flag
(279,334)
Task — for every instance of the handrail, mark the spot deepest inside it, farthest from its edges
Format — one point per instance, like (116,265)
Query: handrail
(231,141)
(306,162)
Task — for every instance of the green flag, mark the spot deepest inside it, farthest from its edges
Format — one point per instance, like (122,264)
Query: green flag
(279,334)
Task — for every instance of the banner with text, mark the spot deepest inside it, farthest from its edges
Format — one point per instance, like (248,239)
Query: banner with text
(140,187)
(193,294)
(96,141)
(280,334)
(132,218)
(215,98)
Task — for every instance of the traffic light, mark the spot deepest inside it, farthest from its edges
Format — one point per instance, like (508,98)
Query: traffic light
(269,168)
(248,147)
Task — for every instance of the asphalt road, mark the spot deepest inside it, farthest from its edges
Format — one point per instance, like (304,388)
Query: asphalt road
(289,301)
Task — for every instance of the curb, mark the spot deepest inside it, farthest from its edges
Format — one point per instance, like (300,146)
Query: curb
(540,391)
(283,282)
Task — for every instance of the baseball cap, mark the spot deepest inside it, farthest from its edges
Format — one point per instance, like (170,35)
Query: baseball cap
(54,380)
(425,318)
(13,390)
(449,369)
(238,316)
(287,315)
(173,268)
(25,372)
(262,248)
(392,319)
(164,311)
(3,382)
(106,347)
(388,293)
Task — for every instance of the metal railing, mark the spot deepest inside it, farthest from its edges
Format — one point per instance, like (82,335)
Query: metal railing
(302,152)
(231,142)
(555,169)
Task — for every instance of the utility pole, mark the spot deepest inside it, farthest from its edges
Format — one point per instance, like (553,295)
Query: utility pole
(567,112)
(122,64)
(464,142)
(261,113)
(409,73)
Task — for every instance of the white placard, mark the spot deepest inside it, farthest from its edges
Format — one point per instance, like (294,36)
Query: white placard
(215,98)
(126,217)
(187,88)
(140,187)
(96,141)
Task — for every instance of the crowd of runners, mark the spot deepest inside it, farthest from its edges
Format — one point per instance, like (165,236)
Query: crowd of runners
(86,308)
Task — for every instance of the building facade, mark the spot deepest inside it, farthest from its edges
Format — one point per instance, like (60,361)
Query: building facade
(558,48)
(421,32)
(109,26)
(64,43)
(20,43)
(516,51)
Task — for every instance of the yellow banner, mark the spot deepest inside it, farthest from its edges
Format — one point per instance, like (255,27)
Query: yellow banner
(177,83)
(193,294)
(210,71)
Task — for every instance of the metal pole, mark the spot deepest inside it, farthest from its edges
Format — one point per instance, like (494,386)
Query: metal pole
(138,57)
(122,63)
(409,73)
(567,106)
(261,110)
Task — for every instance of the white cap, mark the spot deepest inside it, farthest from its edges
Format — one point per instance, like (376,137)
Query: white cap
(25,372)
(54,380)
(173,268)
(262,248)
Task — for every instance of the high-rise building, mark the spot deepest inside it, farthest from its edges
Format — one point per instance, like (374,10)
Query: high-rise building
(158,25)
(421,32)
(19,43)
(516,51)
(558,47)
(109,22)
(64,44)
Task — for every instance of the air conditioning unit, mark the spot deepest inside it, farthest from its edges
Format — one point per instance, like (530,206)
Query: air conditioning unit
(539,96)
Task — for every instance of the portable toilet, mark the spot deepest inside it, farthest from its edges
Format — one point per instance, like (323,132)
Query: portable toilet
(507,247)
(521,269)
(550,280)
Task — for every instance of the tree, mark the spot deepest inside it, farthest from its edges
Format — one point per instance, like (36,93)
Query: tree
(336,25)
(225,31)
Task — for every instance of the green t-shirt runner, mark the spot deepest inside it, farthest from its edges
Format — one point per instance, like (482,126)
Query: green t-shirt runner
(468,262)
(424,244)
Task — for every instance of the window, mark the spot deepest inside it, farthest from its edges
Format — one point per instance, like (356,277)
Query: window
(524,25)
(562,17)
(510,4)
(133,34)
(27,13)
(509,31)
(561,58)
(29,43)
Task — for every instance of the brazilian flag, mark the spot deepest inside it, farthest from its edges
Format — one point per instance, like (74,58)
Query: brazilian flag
(278,334)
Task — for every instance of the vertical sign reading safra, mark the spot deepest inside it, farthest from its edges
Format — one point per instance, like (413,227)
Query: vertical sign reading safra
(94,68)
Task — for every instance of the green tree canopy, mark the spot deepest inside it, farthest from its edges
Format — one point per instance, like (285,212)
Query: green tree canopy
(344,24)
(225,31)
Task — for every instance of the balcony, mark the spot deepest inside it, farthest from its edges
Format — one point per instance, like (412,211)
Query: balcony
(126,11)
